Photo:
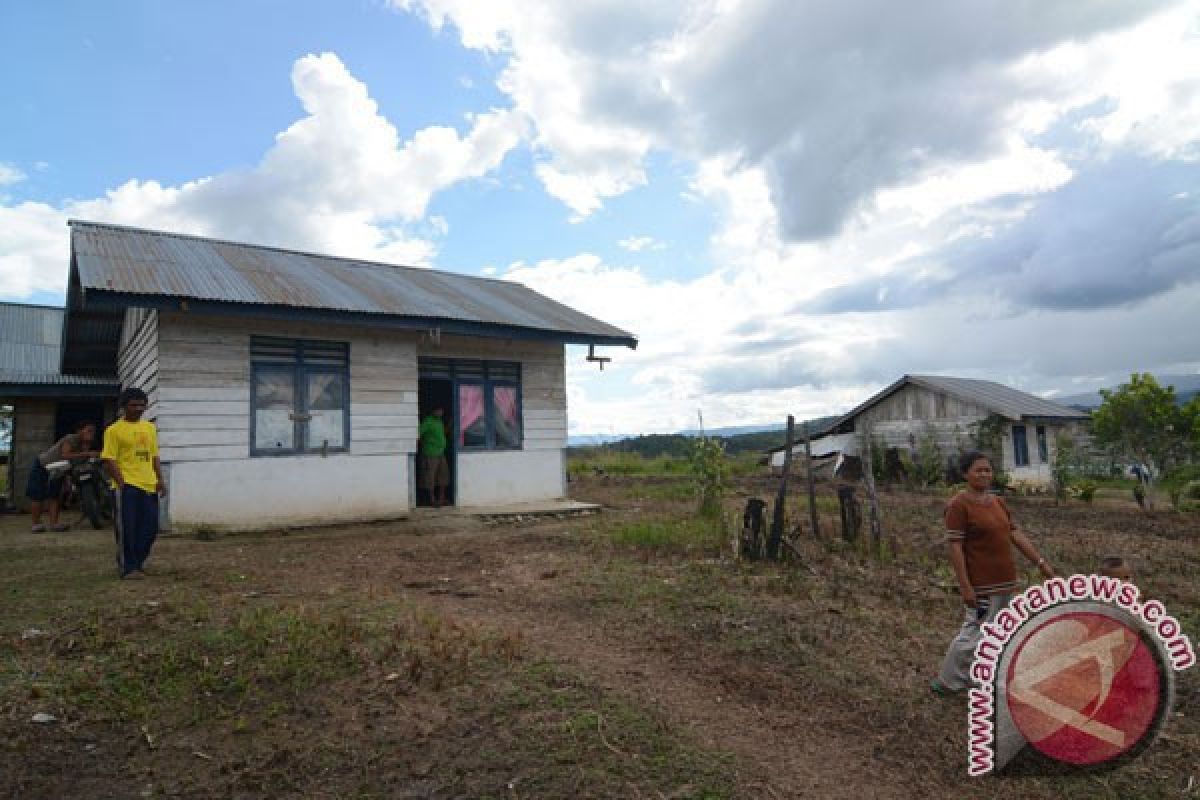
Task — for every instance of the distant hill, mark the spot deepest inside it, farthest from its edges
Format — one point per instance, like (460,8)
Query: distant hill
(1186,387)
(737,439)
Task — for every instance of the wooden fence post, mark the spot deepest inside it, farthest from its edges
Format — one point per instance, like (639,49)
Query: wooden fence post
(781,498)
(872,497)
(851,518)
(812,484)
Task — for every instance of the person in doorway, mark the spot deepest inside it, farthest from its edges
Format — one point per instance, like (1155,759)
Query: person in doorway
(42,489)
(981,535)
(131,459)
(435,468)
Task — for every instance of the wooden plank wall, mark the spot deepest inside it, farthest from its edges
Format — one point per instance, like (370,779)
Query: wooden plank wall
(914,411)
(204,385)
(543,381)
(137,357)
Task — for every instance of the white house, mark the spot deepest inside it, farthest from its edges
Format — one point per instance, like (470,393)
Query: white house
(287,386)
(948,409)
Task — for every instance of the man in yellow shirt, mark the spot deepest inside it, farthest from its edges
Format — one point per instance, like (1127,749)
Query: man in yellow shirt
(130,456)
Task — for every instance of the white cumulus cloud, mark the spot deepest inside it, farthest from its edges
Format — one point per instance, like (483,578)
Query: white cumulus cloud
(339,180)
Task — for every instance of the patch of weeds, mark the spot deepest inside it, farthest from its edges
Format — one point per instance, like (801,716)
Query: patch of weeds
(682,535)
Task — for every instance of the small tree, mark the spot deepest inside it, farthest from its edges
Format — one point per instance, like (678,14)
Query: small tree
(1065,458)
(711,470)
(1141,419)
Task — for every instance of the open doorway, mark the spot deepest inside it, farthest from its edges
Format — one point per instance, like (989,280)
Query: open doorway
(433,393)
(69,415)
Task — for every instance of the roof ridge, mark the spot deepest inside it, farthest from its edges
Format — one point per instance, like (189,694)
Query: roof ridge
(344,259)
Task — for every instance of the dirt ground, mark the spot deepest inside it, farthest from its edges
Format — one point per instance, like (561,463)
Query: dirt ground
(620,654)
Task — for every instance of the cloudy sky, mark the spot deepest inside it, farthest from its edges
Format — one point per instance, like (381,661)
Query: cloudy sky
(791,202)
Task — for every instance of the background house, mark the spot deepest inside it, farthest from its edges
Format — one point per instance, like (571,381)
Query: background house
(287,386)
(948,410)
(43,403)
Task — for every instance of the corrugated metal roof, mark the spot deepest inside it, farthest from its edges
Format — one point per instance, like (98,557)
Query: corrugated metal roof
(111,258)
(54,379)
(1004,400)
(30,348)
(997,398)
(30,337)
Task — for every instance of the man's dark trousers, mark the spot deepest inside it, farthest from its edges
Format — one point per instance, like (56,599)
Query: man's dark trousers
(136,521)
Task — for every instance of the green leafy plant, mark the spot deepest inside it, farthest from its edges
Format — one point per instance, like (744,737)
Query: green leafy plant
(711,472)
(1087,491)
(1063,466)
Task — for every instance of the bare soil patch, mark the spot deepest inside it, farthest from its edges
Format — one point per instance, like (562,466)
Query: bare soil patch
(599,656)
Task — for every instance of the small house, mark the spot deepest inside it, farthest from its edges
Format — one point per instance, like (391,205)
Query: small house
(42,402)
(948,412)
(287,386)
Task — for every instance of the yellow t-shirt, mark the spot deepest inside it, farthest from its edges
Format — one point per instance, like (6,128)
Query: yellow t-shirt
(133,446)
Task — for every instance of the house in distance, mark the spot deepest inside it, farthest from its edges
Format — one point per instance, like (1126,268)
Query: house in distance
(287,386)
(950,409)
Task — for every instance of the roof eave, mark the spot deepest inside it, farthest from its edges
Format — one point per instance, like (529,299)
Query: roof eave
(96,299)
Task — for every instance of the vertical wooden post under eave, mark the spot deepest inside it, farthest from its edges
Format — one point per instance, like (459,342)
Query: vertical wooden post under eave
(780,499)
(869,479)
(812,484)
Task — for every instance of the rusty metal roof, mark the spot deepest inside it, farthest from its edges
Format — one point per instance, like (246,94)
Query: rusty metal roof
(118,260)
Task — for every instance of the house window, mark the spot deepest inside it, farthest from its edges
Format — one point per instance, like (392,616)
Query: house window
(1020,446)
(299,396)
(487,397)
(1043,447)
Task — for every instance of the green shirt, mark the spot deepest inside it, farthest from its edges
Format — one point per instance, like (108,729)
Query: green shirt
(432,434)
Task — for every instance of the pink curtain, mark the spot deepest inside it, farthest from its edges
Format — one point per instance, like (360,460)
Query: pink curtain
(506,404)
(470,409)
(508,431)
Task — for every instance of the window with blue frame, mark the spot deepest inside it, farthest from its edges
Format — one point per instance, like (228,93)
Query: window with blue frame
(487,400)
(1043,445)
(299,396)
(1020,446)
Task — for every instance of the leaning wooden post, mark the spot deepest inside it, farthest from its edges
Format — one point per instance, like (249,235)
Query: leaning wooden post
(812,484)
(872,497)
(780,499)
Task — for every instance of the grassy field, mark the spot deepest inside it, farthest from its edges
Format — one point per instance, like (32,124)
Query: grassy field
(624,654)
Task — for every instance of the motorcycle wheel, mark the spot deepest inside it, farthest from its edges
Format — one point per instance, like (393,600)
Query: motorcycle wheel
(91,506)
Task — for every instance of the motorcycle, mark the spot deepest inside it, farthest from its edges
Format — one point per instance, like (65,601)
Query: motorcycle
(87,482)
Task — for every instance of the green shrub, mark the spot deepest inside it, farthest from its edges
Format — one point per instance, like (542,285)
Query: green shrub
(711,471)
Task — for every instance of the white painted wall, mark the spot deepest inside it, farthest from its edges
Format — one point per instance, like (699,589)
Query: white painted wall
(510,476)
(260,493)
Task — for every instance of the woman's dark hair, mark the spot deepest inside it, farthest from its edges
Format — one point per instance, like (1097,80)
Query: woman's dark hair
(83,423)
(131,394)
(970,457)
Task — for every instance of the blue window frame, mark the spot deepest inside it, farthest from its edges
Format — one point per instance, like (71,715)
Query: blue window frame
(1043,445)
(1020,446)
(299,396)
(487,412)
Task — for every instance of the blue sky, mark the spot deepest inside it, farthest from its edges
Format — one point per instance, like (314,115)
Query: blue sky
(790,206)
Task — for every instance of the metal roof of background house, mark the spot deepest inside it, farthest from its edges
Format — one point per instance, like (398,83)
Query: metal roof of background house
(30,349)
(1010,403)
(1003,400)
(135,266)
